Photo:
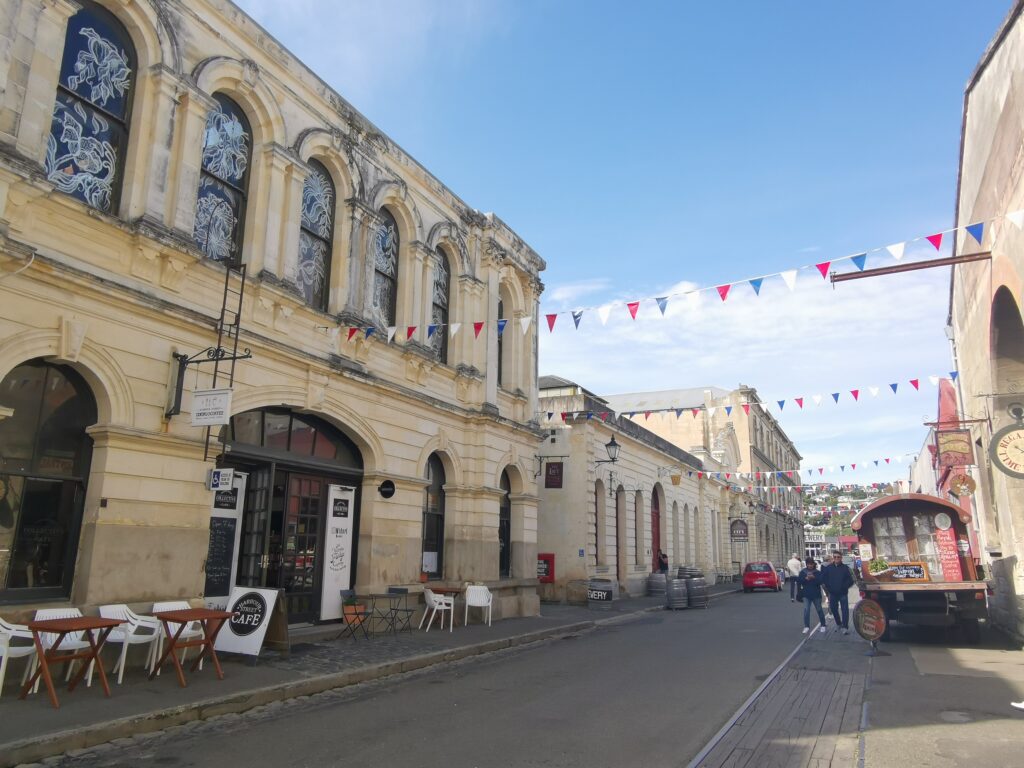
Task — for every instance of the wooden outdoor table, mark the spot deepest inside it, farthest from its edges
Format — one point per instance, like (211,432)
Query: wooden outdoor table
(210,620)
(62,628)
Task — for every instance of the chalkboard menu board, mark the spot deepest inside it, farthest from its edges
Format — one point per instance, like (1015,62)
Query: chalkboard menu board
(220,556)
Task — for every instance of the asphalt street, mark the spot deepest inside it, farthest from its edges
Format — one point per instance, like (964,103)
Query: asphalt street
(647,691)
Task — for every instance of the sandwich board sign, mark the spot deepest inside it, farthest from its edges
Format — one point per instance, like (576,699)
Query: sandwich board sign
(244,631)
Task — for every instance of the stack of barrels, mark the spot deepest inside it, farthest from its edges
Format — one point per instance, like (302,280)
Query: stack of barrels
(695,586)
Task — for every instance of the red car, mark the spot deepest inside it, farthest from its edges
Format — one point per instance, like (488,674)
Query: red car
(761,575)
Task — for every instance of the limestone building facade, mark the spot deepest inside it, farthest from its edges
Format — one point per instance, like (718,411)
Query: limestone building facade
(986,300)
(158,156)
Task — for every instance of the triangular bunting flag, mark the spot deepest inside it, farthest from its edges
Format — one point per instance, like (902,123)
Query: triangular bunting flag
(431,330)
(633,306)
(896,250)
(647,415)
(391,332)
(604,415)
(799,402)
(551,321)
(842,467)
(352,332)
(873,391)
(453,329)
(524,323)
(935,240)
(916,384)
(823,268)
(590,415)
(853,466)
(723,291)
(886,461)
(662,303)
(410,331)
(477,327)
(746,408)
(576,317)
(501,326)
(855,393)
(695,412)
(728,410)
(859,260)
(782,404)
(821,470)
(369,331)
(977,231)
(816,399)
(953,375)
(711,411)
(1016,218)
(564,414)
(679,412)
(894,386)
(789,277)
(700,475)
(551,415)
(756,284)
(603,312)
(876,462)
(934,380)
(835,396)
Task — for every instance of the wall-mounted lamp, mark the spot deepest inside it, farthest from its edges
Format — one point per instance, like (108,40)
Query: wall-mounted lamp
(613,452)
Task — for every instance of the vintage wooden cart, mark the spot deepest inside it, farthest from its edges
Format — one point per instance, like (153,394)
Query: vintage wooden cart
(915,560)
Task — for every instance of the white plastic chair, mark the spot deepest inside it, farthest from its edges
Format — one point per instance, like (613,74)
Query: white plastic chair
(478,597)
(438,604)
(73,641)
(191,630)
(9,632)
(136,630)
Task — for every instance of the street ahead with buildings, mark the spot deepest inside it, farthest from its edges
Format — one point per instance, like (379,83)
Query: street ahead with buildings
(255,355)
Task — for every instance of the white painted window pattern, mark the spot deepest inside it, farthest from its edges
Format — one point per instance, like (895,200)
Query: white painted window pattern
(385,269)
(220,205)
(315,236)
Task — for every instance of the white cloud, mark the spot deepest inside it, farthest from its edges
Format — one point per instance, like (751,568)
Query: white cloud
(567,295)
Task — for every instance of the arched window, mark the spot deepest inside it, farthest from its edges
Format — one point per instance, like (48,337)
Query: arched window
(505,529)
(315,235)
(89,132)
(433,519)
(439,305)
(223,182)
(385,269)
(45,465)
(501,345)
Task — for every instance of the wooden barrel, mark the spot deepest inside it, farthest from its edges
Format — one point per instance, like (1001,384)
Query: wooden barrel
(656,584)
(600,594)
(697,592)
(676,594)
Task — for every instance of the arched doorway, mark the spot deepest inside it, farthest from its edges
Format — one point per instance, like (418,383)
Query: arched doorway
(505,528)
(600,525)
(620,534)
(655,531)
(292,460)
(45,456)
(433,519)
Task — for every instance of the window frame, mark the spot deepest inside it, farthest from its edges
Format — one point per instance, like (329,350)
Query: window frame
(389,314)
(318,168)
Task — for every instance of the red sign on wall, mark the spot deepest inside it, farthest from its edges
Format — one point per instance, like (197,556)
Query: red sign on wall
(553,474)
(546,567)
(949,555)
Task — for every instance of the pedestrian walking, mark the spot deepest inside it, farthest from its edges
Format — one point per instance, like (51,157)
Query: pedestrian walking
(662,562)
(810,592)
(794,566)
(837,580)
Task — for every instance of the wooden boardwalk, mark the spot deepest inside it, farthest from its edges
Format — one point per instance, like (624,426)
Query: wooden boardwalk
(805,717)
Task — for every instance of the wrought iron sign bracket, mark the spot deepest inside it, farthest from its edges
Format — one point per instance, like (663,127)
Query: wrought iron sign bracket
(208,355)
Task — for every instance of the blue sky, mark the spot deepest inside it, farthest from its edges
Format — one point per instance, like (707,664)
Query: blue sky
(675,145)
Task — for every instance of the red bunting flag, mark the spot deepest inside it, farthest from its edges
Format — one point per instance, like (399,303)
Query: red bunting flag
(695,412)
(935,240)
(916,384)
(633,307)
(551,321)
(604,415)
(410,331)
(821,470)
(823,268)
(352,332)
(799,401)
(476,329)
(700,475)
(564,414)
(855,393)
(746,408)
(886,461)
(647,415)
(723,291)
(853,466)
(727,475)
(789,473)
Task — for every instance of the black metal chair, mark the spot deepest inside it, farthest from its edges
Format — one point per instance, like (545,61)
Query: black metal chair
(402,615)
(354,620)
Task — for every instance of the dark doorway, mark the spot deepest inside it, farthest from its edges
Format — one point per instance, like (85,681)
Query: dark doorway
(505,529)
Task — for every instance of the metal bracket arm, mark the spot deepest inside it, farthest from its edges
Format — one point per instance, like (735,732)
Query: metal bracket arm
(208,355)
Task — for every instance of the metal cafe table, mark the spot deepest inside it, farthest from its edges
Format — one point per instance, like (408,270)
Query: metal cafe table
(386,608)
(62,628)
(210,620)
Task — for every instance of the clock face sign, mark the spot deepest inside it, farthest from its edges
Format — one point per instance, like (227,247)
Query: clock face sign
(1007,450)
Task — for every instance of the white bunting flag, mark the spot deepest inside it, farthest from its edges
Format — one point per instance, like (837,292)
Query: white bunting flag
(934,380)
(873,391)
(711,411)
(524,323)
(391,333)
(816,399)
(603,312)
(335,331)
(1017,219)
(790,277)
(896,250)
(453,329)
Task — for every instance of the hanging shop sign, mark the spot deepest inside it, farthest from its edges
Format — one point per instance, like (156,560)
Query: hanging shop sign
(337,560)
(738,530)
(211,407)
(954,447)
(553,474)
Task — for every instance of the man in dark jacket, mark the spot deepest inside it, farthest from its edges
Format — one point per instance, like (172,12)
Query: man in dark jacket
(837,579)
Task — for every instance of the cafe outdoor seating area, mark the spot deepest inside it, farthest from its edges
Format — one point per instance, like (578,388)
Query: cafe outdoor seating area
(63,645)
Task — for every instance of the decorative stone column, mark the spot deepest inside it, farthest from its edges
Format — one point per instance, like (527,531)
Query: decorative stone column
(186,162)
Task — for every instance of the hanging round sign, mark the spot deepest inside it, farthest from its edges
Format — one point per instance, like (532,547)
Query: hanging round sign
(962,485)
(869,620)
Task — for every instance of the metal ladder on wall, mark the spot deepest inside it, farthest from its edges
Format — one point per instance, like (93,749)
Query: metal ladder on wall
(229,325)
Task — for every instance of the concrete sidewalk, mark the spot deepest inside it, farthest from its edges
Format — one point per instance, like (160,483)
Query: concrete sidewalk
(31,730)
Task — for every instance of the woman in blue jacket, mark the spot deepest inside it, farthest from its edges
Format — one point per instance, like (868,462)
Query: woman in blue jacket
(810,585)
